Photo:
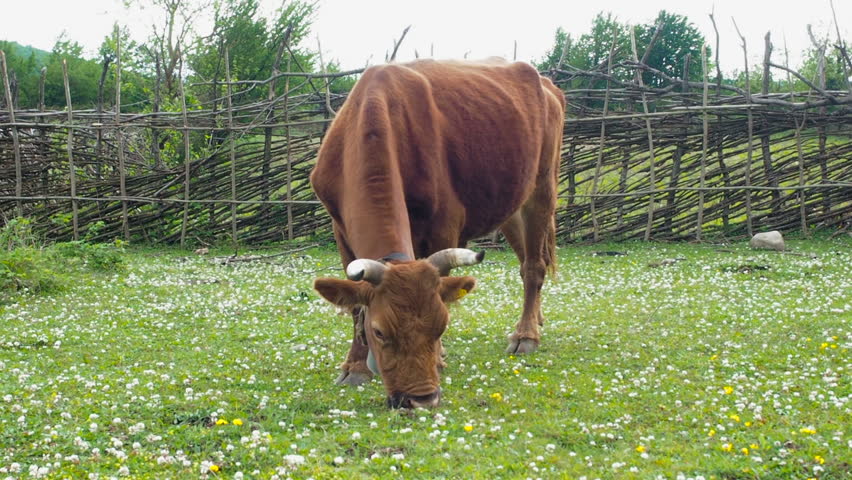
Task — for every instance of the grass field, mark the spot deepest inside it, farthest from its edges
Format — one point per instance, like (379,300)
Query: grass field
(727,363)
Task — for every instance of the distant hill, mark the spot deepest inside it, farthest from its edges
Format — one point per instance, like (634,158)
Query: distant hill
(24,51)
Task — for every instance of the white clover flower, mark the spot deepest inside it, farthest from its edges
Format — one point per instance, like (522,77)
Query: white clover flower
(294,460)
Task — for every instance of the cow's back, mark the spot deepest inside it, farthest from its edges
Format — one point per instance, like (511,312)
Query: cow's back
(462,140)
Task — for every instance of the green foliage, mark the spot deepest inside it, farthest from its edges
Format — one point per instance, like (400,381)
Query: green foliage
(97,256)
(24,264)
(253,43)
(679,38)
(24,65)
(590,51)
(27,265)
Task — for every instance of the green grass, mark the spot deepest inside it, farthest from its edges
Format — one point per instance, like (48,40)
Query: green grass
(642,372)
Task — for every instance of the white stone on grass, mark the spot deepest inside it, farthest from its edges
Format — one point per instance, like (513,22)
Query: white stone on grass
(768,240)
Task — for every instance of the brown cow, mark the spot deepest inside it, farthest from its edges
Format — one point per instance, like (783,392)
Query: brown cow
(421,158)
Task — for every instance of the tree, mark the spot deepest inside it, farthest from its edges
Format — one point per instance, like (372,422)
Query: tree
(23,66)
(172,34)
(678,39)
(590,51)
(253,42)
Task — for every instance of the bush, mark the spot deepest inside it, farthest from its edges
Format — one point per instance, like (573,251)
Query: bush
(26,265)
(97,256)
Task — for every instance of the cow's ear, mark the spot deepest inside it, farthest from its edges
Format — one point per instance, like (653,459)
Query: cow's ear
(454,288)
(344,293)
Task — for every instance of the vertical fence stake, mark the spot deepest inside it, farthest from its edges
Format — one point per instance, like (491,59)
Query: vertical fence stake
(705,123)
(289,152)
(72,170)
(652,179)
(766,151)
(42,134)
(599,161)
(119,133)
(750,147)
(803,219)
(16,145)
(821,135)
(233,156)
(267,131)
(186,155)
(680,151)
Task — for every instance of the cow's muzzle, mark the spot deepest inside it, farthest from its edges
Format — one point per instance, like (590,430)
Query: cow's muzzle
(402,400)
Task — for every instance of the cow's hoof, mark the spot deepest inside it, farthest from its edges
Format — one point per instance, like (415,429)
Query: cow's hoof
(353,379)
(521,346)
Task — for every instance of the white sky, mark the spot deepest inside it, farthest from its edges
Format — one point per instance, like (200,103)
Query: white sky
(353,31)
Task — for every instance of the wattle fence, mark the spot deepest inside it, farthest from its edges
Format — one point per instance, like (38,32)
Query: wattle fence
(688,160)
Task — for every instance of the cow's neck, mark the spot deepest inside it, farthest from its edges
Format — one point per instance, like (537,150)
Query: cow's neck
(376,219)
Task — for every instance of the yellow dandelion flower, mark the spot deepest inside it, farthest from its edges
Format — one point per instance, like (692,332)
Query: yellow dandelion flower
(727,447)
(823,345)
(807,430)
(754,446)
(237,422)
(640,449)
(819,460)
(497,396)
(729,389)
(221,421)
(735,417)
(516,371)
(711,432)
(744,450)
(714,357)
(747,424)
(833,345)
(214,468)
(468,428)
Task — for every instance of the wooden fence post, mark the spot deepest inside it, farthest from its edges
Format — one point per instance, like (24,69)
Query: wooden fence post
(267,131)
(16,145)
(705,140)
(766,151)
(718,138)
(652,179)
(232,147)
(72,170)
(288,133)
(186,157)
(599,162)
(42,134)
(822,138)
(680,150)
(119,133)
(750,145)
(803,218)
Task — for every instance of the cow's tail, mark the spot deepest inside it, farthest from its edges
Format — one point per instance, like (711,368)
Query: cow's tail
(550,248)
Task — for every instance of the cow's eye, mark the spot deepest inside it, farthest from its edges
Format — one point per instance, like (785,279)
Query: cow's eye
(379,334)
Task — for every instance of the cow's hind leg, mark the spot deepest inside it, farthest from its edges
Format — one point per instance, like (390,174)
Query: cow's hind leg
(354,370)
(531,232)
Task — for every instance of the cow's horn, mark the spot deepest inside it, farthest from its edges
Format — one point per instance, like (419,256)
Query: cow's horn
(450,258)
(365,269)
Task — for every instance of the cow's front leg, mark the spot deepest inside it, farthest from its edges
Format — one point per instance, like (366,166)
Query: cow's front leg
(354,370)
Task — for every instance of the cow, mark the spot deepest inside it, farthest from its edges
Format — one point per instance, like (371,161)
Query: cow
(421,158)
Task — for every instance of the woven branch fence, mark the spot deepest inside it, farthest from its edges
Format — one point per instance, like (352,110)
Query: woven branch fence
(689,160)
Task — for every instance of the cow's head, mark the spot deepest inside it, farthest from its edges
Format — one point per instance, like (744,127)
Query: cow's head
(405,308)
